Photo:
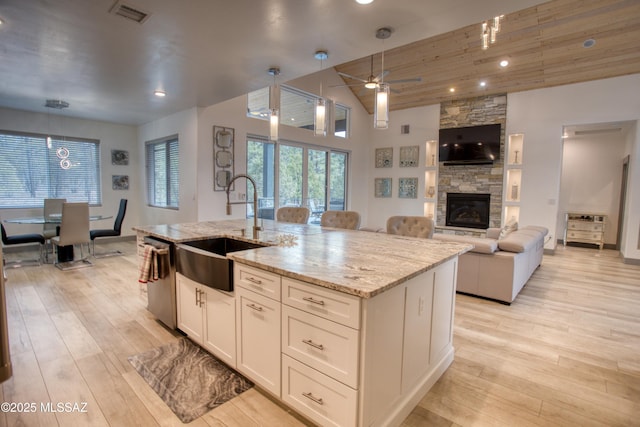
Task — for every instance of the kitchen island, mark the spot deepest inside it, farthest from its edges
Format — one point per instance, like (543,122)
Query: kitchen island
(347,327)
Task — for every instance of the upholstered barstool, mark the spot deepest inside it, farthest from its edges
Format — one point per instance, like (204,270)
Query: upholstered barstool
(340,219)
(412,226)
(20,239)
(298,215)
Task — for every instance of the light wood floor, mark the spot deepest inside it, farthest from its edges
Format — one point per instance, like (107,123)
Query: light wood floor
(567,352)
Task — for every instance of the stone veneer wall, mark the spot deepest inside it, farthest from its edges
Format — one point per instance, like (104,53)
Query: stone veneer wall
(483,110)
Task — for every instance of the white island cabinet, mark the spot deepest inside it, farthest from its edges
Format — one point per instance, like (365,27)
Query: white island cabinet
(348,328)
(201,311)
(347,360)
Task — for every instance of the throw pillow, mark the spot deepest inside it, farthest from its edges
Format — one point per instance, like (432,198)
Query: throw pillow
(509,227)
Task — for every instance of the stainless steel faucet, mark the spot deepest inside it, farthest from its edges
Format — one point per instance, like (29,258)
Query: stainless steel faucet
(256,228)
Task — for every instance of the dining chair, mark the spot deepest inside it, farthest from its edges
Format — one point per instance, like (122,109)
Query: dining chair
(74,230)
(412,226)
(21,239)
(109,232)
(340,219)
(52,212)
(294,214)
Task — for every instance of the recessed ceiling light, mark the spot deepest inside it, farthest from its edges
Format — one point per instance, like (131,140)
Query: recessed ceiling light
(452,89)
(483,83)
(160,93)
(504,63)
(588,43)
(364,1)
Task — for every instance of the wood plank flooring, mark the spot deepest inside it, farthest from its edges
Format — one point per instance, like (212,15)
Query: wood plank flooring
(565,353)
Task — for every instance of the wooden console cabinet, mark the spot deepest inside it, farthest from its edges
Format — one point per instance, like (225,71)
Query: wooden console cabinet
(585,228)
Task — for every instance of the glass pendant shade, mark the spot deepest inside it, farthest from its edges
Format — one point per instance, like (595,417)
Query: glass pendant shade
(381,107)
(274,122)
(320,118)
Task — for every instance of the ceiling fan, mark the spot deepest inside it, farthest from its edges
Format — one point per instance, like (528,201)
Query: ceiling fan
(373,81)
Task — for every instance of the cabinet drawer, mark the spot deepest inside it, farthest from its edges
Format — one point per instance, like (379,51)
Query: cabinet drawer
(257,280)
(326,346)
(322,399)
(333,305)
(585,226)
(585,235)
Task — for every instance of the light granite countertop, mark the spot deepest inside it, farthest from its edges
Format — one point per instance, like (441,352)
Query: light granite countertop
(360,263)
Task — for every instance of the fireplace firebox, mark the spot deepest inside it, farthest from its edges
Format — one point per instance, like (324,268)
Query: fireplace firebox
(468,210)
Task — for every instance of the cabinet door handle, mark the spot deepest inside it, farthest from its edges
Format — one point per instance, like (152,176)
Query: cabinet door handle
(313,301)
(310,396)
(314,345)
(255,307)
(254,280)
(197,297)
(202,293)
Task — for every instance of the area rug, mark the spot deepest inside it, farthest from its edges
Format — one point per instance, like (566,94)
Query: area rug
(188,379)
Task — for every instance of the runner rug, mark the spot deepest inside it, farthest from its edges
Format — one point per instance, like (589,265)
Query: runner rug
(188,379)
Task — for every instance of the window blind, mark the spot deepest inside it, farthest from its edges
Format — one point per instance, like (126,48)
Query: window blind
(163,170)
(31,170)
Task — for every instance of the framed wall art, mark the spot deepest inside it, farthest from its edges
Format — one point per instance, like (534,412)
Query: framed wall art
(382,187)
(120,182)
(408,188)
(119,157)
(223,161)
(384,157)
(409,156)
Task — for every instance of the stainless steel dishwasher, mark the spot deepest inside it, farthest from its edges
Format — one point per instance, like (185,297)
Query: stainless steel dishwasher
(161,293)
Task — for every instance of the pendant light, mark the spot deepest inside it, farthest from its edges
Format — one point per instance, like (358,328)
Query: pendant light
(274,102)
(320,115)
(381,106)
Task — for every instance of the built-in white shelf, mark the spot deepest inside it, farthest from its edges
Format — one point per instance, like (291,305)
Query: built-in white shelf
(512,184)
(431,179)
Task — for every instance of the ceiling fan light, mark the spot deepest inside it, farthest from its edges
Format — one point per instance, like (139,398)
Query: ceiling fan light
(371,85)
(381,107)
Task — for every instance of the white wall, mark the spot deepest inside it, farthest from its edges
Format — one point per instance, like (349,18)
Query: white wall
(591,178)
(232,113)
(111,136)
(540,115)
(424,123)
(185,125)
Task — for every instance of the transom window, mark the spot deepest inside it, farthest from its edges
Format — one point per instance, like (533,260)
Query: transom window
(163,172)
(296,109)
(34,167)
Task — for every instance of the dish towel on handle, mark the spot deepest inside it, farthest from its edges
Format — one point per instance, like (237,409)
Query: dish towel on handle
(149,270)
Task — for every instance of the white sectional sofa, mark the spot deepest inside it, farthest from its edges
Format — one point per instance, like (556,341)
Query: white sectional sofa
(498,268)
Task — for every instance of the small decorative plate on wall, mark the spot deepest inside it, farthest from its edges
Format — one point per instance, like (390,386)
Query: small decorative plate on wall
(223,138)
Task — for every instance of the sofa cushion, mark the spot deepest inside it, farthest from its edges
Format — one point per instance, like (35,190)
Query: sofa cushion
(480,244)
(518,242)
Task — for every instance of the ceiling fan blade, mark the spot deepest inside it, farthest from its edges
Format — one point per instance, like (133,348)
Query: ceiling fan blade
(380,76)
(349,76)
(415,79)
(347,85)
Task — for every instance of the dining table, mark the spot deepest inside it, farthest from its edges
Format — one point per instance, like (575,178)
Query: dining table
(65,253)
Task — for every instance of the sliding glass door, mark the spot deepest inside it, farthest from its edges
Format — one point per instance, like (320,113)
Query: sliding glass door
(299,175)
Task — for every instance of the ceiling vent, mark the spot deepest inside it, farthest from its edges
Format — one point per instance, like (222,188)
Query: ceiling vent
(129,12)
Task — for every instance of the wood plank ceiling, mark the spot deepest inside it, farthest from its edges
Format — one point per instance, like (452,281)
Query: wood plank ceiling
(543,44)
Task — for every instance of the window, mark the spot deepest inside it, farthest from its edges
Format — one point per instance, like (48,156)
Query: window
(31,170)
(341,122)
(297,109)
(296,175)
(163,172)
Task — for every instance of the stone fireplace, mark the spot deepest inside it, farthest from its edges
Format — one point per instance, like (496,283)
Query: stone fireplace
(472,179)
(468,210)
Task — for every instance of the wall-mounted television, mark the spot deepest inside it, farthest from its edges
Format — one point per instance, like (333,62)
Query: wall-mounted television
(469,145)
